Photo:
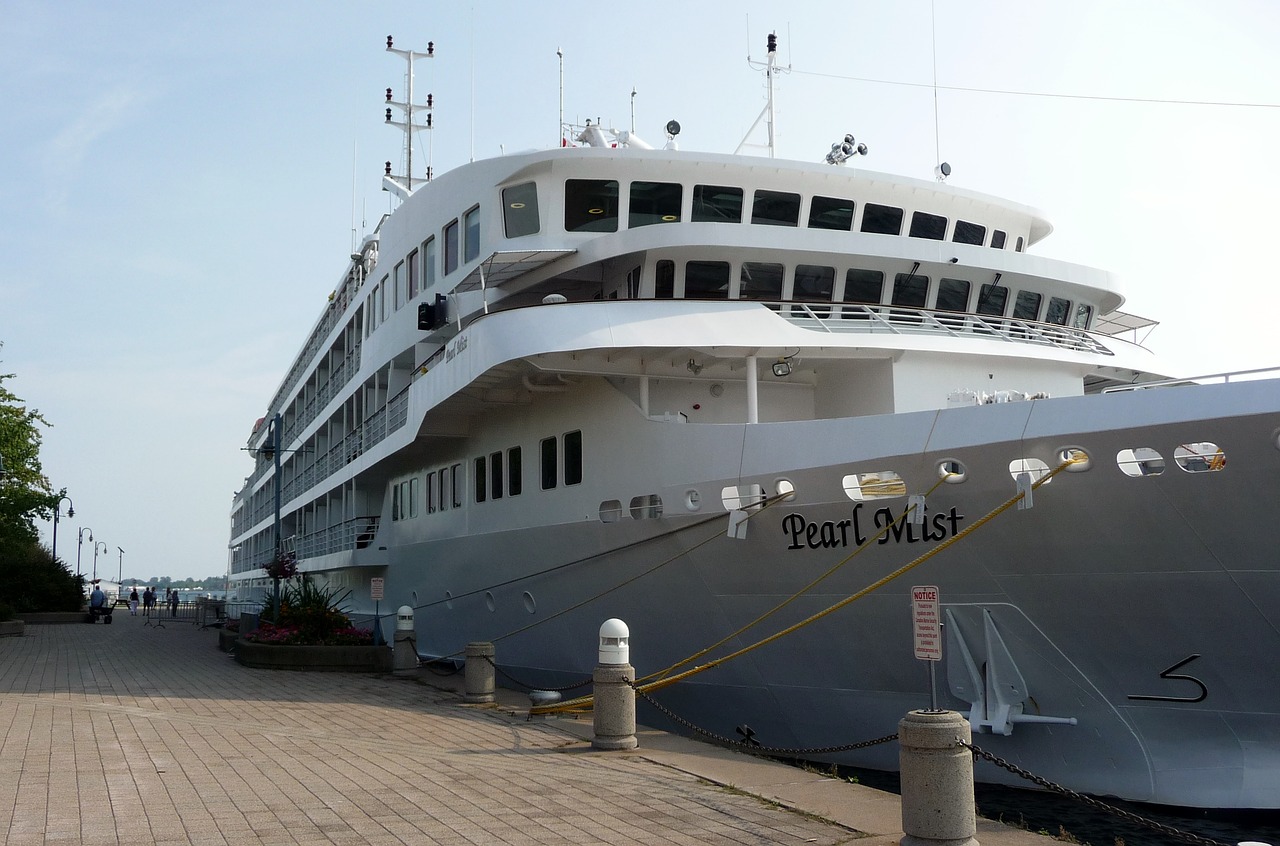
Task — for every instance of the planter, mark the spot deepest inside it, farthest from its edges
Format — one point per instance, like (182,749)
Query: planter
(12,628)
(227,640)
(348,659)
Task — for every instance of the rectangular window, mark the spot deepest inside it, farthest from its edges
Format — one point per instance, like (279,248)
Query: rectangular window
(814,283)
(456,471)
(428,262)
(969,233)
(761,281)
(573,458)
(1058,311)
(717,204)
(931,226)
(775,208)
(831,213)
(471,235)
(885,220)
(495,475)
(442,489)
(549,467)
(395,502)
(431,492)
(413,497)
(664,282)
(953,294)
(398,284)
(910,289)
(654,202)
(520,210)
(997,240)
(481,478)
(862,286)
(706,280)
(413,274)
(1017,248)
(515,475)
(591,205)
(451,247)
(992,300)
(1026,306)
(1084,314)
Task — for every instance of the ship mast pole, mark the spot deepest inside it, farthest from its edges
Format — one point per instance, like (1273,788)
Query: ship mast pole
(771,70)
(403,186)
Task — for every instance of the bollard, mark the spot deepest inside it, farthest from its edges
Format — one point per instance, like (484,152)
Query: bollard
(937,780)
(404,660)
(614,716)
(478,672)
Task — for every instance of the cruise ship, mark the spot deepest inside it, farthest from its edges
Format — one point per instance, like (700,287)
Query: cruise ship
(745,405)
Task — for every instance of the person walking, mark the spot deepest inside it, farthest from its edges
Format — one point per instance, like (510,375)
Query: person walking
(148,600)
(173,603)
(133,602)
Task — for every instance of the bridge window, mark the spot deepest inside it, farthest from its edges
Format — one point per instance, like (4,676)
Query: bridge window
(706,280)
(931,226)
(813,284)
(775,208)
(428,262)
(591,205)
(1084,314)
(910,289)
(953,294)
(761,281)
(997,240)
(862,286)
(1026,306)
(654,202)
(969,233)
(717,204)
(520,210)
(664,283)
(471,235)
(451,247)
(831,213)
(413,274)
(992,300)
(1057,311)
(885,220)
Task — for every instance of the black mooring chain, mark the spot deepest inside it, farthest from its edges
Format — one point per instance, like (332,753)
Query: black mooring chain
(519,683)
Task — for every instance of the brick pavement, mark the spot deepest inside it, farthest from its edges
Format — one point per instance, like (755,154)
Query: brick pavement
(127,734)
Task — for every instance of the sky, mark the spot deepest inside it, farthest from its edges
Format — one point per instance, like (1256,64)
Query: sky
(180,183)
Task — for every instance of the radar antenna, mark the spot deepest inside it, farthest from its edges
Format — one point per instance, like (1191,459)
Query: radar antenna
(771,69)
(403,185)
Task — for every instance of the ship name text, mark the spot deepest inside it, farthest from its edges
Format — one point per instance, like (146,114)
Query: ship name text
(809,534)
(456,347)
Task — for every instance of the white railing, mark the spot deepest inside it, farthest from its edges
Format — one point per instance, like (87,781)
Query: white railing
(1200,380)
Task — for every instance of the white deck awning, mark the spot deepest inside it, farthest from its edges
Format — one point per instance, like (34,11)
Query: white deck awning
(505,265)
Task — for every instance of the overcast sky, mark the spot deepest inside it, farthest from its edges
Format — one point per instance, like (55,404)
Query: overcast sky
(179,181)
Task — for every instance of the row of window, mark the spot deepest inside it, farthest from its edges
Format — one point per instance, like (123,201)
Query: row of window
(711,280)
(461,243)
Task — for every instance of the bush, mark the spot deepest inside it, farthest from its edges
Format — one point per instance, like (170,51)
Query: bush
(33,581)
(311,615)
(6,613)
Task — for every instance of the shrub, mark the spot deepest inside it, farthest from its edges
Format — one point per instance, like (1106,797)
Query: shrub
(6,613)
(311,615)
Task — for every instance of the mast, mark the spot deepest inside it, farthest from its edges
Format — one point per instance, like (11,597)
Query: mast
(403,185)
(771,70)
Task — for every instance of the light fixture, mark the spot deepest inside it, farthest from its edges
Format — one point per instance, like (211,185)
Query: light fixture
(694,367)
(782,368)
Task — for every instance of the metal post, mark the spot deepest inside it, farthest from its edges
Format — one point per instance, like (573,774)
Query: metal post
(275,451)
(120,572)
(57,509)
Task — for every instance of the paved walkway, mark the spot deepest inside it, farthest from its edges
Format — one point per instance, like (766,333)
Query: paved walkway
(132,734)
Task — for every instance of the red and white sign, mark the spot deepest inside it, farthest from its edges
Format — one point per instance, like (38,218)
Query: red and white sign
(925,623)
(375,589)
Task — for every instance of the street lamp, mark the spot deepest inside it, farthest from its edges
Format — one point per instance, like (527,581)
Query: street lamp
(80,543)
(120,572)
(105,548)
(57,509)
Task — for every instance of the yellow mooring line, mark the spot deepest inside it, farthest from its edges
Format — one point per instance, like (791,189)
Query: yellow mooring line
(583,703)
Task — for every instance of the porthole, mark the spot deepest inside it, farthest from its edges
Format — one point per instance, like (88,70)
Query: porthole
(1036,468)
(529,604)
(738,497)
(952,472)
(692,500)
(448,599)
(784,490)
(647,507)
(1076,459)
(610,511)
(489,601)
(884,484)
(1140,461)
(1202,457)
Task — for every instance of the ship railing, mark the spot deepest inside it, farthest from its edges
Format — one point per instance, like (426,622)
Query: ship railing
(347,536)
(1206,379)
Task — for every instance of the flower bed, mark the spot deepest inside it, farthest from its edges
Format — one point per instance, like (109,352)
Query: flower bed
(331,658)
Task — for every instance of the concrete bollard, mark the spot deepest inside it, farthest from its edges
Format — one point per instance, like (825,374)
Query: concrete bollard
(478,672)
(614,715)
(404,660)
(937,780)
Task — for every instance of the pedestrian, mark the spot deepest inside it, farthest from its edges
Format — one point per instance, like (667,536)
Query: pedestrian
(97,603)
(148,600)
(173,603)
(133,602)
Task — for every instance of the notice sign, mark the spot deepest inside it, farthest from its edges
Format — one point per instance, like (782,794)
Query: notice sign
(375,589)
(925,622)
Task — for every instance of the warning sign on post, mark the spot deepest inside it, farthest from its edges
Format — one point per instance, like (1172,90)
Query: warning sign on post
(375,588)
(925,622)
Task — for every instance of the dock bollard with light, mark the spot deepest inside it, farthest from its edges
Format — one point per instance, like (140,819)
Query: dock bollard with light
(614,716)
(478,672)
(404,660)
(937,780)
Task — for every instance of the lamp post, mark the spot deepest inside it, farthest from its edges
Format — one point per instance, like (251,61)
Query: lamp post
(80,543)
(120,572)
(105,548)
(272,449)
(57,513)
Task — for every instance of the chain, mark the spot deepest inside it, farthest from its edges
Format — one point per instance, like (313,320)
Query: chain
(1128,816)
(519,683)
(753,746)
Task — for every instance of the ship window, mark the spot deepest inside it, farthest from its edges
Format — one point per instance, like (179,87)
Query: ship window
(573,458)
(831,213)
(442,488)
(549,469)
(428,262)
(495,476)
(456,473)
(1057,311)
(814,284)
(1140,461)
(706,280)
(471,235)
(1033,467)
(717,204)
(399,288)
(742,497)
(953,294)
(1018,246)
(885,220)
(931,226)
(969,233)
(1084,314)
(775,208)
(862,286)
(997,240)
(520,210)
(395,502)
(761,281)
(515,475)
(647,507)
(910,289)
(413,497)
(1026,306)
(383,299)
(431,492)
(1200,457)
(481,478)
(451,247)
(886,484)
(591,205)
(413,274)
(664,281)
(610,511)
(992,300)
(654,202)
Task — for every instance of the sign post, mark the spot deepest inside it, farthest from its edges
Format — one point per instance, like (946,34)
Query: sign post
(927,631)
(375,590)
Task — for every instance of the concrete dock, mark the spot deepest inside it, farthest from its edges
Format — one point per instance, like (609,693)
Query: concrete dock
(133,734)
